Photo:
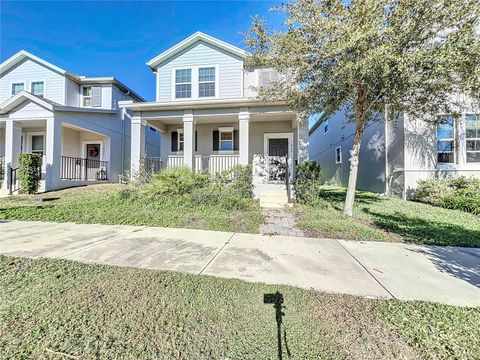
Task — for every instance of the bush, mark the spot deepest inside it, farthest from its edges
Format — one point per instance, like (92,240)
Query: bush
(239,179)
(176,181)
(308,181)
(459,193)
(29,170)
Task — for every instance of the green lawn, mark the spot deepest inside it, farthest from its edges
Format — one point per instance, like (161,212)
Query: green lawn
(64,309)
(387,219)
(114,204)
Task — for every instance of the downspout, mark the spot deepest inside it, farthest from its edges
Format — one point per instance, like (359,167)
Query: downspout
(387,172)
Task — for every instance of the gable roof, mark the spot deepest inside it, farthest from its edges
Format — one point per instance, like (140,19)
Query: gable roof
(192,39)
(22,55)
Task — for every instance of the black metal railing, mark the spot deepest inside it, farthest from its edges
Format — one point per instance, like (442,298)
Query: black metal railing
(155,164)
(74,168)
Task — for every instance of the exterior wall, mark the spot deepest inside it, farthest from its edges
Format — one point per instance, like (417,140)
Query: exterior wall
(371,173)
(230,70)
(71,142)
(29,71)
(2,142)
(72,93)
(251,80)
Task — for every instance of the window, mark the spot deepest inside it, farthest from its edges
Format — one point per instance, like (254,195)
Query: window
(37,88)
(226,140)
(37,144)
(446,140)
(180,141)
(473,138)
(87,96)
(17,87)
(206,81)
(183,83)
(338,155)
(152,129)
(325,127)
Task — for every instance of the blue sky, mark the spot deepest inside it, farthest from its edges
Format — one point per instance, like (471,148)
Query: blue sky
(113,38)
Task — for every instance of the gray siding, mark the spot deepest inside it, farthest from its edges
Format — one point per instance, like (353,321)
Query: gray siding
(371,174)
(29,71)
(230,70)
(72,93)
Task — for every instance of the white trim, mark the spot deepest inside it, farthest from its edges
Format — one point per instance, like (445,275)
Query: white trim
(288,136)
(174,83)
(453,139)
(86,142)
(28,140)
(82,97)
(192,39)
(226,130)
(17,82)
(21,55)
(325,122)
(341,155)
(44,95)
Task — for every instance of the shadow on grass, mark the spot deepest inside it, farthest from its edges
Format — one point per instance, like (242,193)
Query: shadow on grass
(462,264)
(338,196)
(277,300)
(420,231)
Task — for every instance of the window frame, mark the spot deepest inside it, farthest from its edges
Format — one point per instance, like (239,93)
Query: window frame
(16,83)
(326,127)
(338,153)
(195,84)
(453,140)
(174,81)
(152,129)
(180,142)
(214,82)
(44,87)
(220,141)
(86,97)
(477,138)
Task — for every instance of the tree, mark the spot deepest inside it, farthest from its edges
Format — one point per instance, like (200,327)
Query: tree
(364,55)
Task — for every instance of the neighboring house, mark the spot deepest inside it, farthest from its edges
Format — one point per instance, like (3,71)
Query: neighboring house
(209,114)
(415,150)
(73,121)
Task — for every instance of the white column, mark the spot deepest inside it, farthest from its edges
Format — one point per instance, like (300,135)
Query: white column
(13,146)
(137,144)
(53,153)
(188,139)
(302,137)
(243,129)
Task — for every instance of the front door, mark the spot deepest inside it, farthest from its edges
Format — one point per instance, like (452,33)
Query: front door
(93,151)
(277,159)
(278,147)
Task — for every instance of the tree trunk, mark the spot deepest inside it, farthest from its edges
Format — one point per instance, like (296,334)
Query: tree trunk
(354,153)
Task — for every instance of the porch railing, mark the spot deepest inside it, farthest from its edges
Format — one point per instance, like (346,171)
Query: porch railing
(212,164)
(13,184)
(74,168)
(2,167)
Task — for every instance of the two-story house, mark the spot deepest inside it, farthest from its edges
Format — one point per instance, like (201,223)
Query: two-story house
(396,154)
(73,121)
(209,114)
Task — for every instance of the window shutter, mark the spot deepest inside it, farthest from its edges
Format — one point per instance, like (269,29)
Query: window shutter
(235,140)
(196,137)
(267,77)
(174,141)
(96,96)
(216,140)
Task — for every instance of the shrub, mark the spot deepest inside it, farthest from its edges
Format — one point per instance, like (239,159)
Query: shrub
(176,181)
(239,178)
(459,193)
(30,174)
(308,181)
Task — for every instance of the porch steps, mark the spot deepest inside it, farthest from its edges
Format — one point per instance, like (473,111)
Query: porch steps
(272,196)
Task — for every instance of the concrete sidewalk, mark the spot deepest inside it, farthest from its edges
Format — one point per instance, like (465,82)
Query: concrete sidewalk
(443,274)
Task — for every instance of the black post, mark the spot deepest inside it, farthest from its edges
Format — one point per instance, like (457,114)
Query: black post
(86,169)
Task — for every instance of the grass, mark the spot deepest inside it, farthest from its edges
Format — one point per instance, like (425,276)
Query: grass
(114,204)
(380,218)
(65,309)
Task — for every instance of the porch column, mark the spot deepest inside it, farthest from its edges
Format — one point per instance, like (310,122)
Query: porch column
(302,137)
(137,144)
(53,153)
(243,128)
(13,146)
(188,139)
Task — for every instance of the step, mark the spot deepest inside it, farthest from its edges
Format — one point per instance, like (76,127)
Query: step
(272,205)
(283,198)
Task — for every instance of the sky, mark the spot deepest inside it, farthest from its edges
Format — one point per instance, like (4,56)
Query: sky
(117,38)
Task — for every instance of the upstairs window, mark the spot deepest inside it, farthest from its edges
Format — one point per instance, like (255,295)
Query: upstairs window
(446,140)
(183,83)
(338,155)
(473,138)
(226,140)
(87,96)
(206,82)
(325,127)
(17,87)
(37,88)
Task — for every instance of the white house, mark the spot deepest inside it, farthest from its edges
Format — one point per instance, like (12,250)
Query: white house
(209,114)
(73,121)
(415,149)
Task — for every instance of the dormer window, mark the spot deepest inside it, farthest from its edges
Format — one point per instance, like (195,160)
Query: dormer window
(38,88)
(183,83)
(206,82)
(17,87)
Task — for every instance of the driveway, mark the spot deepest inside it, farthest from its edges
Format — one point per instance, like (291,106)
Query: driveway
(449,275)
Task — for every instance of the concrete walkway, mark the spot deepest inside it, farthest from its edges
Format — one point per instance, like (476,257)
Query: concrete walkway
(444,274)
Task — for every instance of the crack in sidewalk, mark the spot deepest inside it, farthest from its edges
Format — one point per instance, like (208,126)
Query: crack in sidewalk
(216,254)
